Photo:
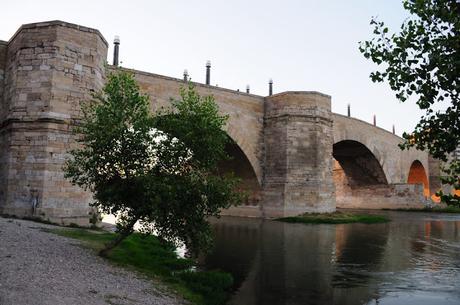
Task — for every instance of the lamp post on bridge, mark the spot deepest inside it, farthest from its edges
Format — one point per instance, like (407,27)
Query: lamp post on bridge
(185,75)
(208,72)
(116,50)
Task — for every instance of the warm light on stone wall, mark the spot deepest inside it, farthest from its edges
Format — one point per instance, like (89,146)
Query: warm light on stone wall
(417,174)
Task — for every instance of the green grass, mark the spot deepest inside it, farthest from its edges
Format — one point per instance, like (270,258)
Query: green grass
(159,261)
(448,209)
(335,218)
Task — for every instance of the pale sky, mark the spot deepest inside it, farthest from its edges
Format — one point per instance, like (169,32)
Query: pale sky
(309,45)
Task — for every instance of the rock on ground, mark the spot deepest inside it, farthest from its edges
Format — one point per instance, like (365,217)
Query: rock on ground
(40,268)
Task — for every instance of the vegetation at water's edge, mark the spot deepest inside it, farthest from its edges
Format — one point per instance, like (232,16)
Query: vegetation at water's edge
(448,209)
(157,260)
(134,162)
(335,218)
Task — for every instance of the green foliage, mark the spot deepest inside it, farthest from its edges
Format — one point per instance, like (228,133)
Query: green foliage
(157,169)
(335,218)
(95,217)
(196,121)
(423,61)
(434,209)
(214,285)
(156,259)
(452,178)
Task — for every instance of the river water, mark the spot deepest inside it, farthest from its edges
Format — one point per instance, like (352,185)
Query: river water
(414,259)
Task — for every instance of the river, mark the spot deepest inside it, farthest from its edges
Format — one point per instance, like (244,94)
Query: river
(414,259)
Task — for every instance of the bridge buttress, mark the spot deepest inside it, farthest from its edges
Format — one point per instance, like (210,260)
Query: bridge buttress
(50,68)
(298,142)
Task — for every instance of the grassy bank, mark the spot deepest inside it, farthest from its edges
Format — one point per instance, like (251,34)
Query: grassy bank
(335,218)
(449,209)
(160,262)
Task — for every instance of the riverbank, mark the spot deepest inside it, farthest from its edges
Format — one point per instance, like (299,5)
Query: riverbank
(448,209)
(43,268)
(335,218)
(158,261)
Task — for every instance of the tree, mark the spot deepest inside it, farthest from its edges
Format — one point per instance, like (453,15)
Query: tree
(422,62)
(155,169)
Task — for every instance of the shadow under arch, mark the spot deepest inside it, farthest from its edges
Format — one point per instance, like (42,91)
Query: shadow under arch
(358,163)
(357,173)
(241,167)
(417,175)
(237,135)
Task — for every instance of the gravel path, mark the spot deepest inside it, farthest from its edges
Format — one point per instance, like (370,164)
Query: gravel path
(39,268)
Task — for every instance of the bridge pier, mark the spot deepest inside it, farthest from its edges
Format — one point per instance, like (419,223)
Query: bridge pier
(298,154)
(50,68)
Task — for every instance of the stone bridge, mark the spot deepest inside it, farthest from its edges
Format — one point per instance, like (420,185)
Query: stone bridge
(292,153)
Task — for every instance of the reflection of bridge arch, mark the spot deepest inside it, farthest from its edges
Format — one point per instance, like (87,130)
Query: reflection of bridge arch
(417,175)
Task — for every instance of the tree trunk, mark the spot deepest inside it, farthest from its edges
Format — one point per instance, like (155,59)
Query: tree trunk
(121,236)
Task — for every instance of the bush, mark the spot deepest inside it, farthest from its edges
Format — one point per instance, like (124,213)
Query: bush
(214,286)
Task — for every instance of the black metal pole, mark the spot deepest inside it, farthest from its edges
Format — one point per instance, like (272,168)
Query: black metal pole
(270,87)
(116,50)
(208,72)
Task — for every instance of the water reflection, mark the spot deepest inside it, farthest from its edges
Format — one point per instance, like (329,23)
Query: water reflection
(415,258)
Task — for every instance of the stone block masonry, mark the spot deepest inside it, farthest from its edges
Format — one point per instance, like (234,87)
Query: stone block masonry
(3,137)
(50,69)
(298,148)
(283,144)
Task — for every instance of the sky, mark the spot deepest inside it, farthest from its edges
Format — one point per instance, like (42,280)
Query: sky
(305,45)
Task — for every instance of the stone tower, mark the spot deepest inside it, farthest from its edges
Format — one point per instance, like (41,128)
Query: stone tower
(298,148)
(46,70)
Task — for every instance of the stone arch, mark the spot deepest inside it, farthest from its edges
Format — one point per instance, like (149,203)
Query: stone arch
(240,165)
(383,144)
(250,152)
(357,173)
(417,175)
(358,163)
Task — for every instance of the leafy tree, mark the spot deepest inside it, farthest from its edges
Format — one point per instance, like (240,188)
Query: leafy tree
(155,169)
(422,61)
